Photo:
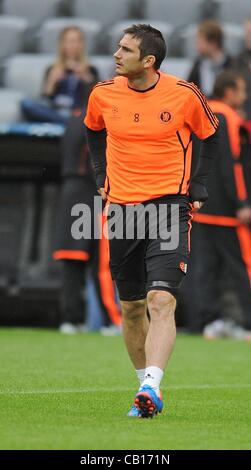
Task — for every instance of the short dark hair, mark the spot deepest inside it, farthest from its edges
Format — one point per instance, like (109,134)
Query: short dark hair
(151,42)
(227,79)
(212,32)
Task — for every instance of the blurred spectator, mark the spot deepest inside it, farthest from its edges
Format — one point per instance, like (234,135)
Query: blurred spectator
(221,235)
(243,63)
(67,82)
(212,59)
(77,256)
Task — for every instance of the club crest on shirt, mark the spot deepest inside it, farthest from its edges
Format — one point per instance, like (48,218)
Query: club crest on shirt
(165,116)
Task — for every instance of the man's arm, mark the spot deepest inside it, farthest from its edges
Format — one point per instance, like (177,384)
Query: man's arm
(97,147)
(208,150)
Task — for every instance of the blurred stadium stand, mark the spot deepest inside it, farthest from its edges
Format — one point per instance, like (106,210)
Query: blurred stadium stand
(9,105)
(12,32)
(234,11)
(25,72)
(106,12)
(30,154)
(35,12)
(179,13)
(104,65)
(179,66)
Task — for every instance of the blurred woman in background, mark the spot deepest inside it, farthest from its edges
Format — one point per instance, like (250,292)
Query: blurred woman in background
(67,82)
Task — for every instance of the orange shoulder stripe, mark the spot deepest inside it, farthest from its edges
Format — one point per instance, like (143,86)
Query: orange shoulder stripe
(104,83)
(213,119)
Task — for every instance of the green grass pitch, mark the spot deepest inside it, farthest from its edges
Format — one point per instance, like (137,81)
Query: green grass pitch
(61,392)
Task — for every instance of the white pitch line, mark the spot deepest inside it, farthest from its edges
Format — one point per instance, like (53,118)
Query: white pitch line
(114,389)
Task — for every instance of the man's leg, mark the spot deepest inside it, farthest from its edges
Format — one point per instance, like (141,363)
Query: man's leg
(204,272)
(149,345)
(72,297)
(165,270)
(37,110)
(135,328)
(162,330)
(159,344)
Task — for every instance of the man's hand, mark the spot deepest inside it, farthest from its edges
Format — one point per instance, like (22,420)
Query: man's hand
(55,75)
(197,205)
(244,215)
(198,194)
(102,193)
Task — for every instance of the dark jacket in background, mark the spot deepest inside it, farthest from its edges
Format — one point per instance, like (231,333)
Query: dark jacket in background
(195,75)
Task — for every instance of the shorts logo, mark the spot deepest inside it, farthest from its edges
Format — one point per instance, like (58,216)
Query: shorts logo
(165,116)
(183,267)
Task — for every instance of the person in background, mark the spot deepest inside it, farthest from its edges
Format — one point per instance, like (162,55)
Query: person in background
(78,257)
(212,59)
(243,64)
(67,82)
(221,235)
(67,86)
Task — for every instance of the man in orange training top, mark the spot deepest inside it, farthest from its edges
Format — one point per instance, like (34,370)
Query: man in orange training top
(139,127)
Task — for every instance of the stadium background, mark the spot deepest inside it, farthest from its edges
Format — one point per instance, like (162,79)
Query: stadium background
(51,384)
(29,154)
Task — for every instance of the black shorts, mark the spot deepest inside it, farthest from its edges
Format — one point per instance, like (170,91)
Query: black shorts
(142,257)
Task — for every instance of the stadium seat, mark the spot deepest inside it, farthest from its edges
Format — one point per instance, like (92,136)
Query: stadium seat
(235,11)
(10,105)
(106,12)
(104,65)
(25,72)
(176,66)
(35,11)
(12,31)
(176,12)
(233,33)
(115,33)
(50,30)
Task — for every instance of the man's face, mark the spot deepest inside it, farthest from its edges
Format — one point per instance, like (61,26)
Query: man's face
(204,47)
(237,96)
(127,57)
